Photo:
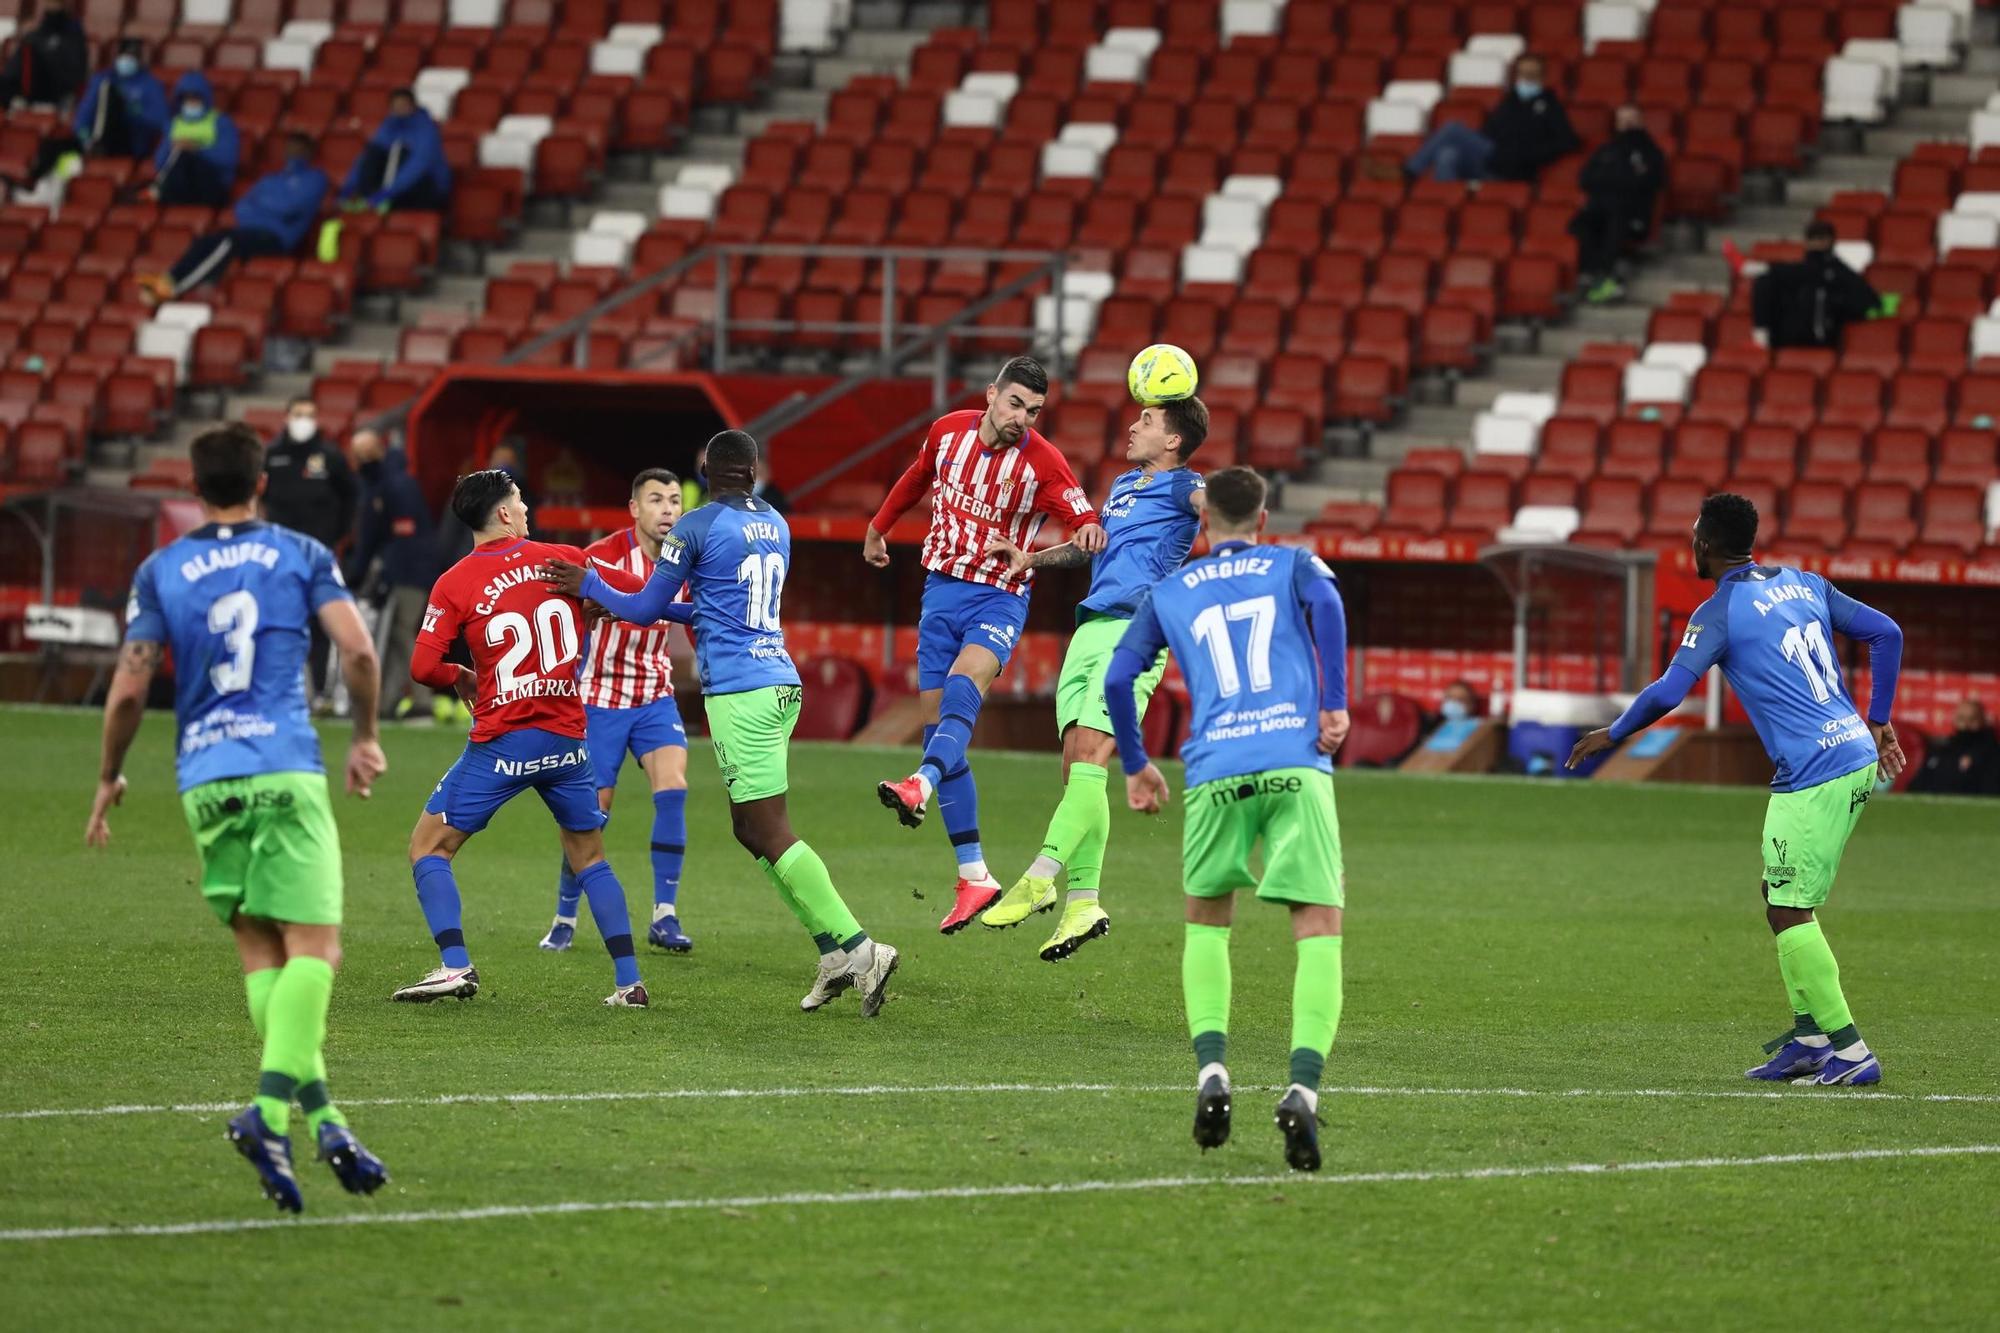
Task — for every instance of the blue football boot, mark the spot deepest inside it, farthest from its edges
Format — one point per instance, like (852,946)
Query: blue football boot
(1852,1073)
(666,934)
(358,1170)
(271,1154)
(1793,1059)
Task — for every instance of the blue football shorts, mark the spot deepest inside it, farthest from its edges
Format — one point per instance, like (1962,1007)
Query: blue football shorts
(957,612)
(491,773)
(616,732)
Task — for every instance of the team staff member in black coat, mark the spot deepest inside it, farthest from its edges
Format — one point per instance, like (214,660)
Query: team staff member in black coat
(395,558)
(1809,303)
(310,489)
(1525,131)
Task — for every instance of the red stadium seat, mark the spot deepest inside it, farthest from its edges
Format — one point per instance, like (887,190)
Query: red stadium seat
(1385,728)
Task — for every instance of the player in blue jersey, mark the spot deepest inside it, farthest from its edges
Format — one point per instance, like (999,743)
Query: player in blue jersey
(1771,631)
(235,600)
(1260,634)
(1150,521)
(733,553)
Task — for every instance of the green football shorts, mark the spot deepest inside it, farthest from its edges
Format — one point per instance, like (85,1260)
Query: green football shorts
(1291,810)
(268,847)
(1805,832)
(752,730)
(1080,689)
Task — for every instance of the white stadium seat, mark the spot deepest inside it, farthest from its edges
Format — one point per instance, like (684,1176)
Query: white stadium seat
(1211,263)
(1113,64)
(973,110)
(1250,18)
(1506,45)
(1655,384)
(1535,407)
(644,36)
(474,13)
(167,341)
(1396,118)
(996,84)
(715,177)
(1984,129)
(1070,159)
(1143,40)
(1092,284)
(1535,524)
(1856,90)
(1512,436)
(1985,336)
(1928,35)
(1474,69)
(618,222)
(1984,203)
(289,53)
(1612,23)
(600,249)
(1426,93)
(617,58)
(215,12)
(1857,255)
(1684,357)
(687,201)
(310,31)
(189,315)
(1967,231)
(1264,189)
(1095,135)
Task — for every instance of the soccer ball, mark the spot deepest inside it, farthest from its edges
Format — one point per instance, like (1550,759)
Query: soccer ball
(1163,373)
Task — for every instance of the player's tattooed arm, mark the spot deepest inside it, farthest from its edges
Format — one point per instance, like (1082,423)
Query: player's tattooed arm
(1066,556)
(124,706)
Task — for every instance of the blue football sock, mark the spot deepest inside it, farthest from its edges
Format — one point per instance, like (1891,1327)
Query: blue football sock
(958,803)
(951,776)
(568,892)
(437,894)
(614,923)
(669,844)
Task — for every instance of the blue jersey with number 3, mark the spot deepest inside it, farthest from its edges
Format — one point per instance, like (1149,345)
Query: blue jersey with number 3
(235,603)
(1236,621)
(734,553)
(1771,631)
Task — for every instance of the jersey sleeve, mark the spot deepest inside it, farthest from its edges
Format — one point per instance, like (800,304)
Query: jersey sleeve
(145,622)
(1143,634)
(909,487)
(1190,485)
(1058,494)
(442,617)
(1319,592)
(1706,637)
(324,583)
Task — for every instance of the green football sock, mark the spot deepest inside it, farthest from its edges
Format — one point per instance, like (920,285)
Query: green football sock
(1080,825)
(792,904)
(1315,1006)
(805,877)
(1205,988)
(312,1093)
(295,1031)
(257,986)
(1812,975)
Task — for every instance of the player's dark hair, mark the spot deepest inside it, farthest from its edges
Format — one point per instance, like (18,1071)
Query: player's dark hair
(1187,418)
(732,451)
(1235,495)
(478,494)
(1729,524)
(227,462)
(659,474)
(1024,371)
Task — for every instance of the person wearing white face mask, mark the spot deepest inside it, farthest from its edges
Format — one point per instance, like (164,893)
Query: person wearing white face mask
(124,110)
(1459,703)
(310,488)
(1526,130)
(197,160)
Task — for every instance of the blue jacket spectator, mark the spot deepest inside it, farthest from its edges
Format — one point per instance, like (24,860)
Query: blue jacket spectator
(273,217)
(196,162)
(124,110)
(403,165)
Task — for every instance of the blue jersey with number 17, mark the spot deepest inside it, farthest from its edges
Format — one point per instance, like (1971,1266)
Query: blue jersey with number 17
(734,553)
(235,604)
(1236,621)
(1771,631)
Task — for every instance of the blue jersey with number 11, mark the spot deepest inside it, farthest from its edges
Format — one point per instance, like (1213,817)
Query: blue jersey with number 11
(1771,631)
(734,553)
(235,604)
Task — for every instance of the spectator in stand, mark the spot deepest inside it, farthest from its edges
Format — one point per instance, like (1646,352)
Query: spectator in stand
(1460,702)
(273,217)
(49,62)
(196,163)
(1524,132)
(1965,763)
(1621,182)
(309,488)
(403,165)
(1810,303)
(694,483)
(124,110)
(394,563)
(764,488)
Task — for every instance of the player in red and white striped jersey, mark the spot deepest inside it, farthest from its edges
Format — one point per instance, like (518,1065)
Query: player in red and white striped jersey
(627,685)
(990,475)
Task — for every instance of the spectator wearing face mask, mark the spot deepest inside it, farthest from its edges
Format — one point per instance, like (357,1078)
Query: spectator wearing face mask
(1621,183)
(124,110)
(1965,763)
(272,218)
(403,165)
(196,162)
(49,63)
(1524,132)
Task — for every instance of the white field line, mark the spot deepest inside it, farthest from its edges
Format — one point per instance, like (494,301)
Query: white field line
(1844,1096)
(816,1199)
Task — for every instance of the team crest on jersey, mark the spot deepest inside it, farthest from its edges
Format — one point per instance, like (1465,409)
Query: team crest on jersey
(1006,493)
(1143,482)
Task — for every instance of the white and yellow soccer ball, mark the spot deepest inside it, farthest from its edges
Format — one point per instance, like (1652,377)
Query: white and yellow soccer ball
(1162,373)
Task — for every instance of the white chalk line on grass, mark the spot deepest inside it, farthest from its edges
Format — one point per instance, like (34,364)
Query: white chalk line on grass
(1845,1096)
(827,1199)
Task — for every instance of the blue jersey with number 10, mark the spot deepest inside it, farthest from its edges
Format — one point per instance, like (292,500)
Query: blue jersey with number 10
(1236,621)
(235,604)
(1771,631)
(734,553)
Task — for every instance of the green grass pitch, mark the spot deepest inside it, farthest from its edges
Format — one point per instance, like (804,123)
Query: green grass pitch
(1539,976)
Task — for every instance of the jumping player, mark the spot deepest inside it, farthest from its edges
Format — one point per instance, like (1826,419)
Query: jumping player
(1150,520)
(1261,636)
(628,704)
(1771,631)
(995,476)
(528,729)
(733,553)
(234,600)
